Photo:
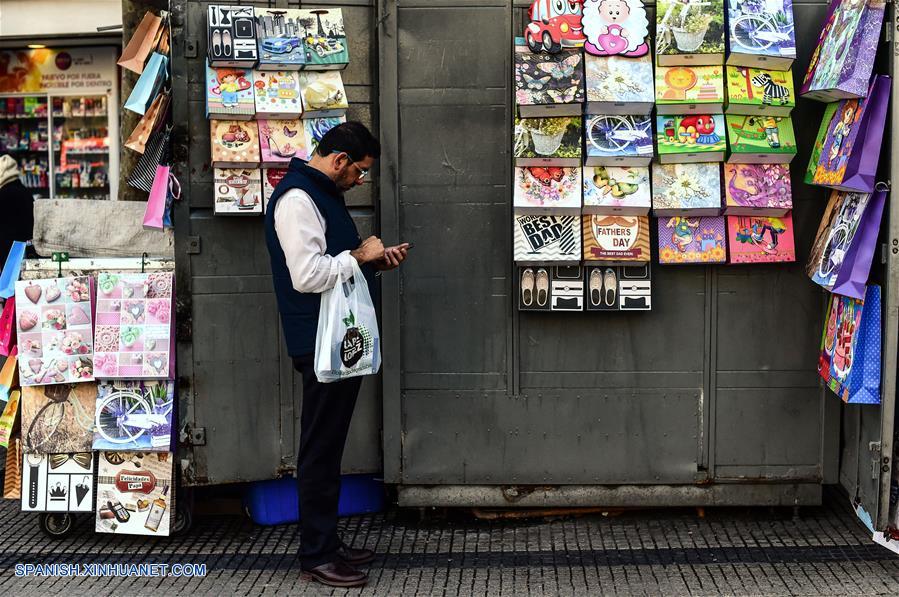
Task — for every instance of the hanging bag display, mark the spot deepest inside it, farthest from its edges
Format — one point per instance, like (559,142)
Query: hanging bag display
(347,343)
(11,269)
(851,147)
(142,42)
(144,172)
(851,348)
(148,85)
(8,326)
(155,117)
(12,477)
(856,266)
(8,374)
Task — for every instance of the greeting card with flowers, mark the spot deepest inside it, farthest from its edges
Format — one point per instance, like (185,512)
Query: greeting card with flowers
(54,325)
(134,326)
(547,189)
(688,189)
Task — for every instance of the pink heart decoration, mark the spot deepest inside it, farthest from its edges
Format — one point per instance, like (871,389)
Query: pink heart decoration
(27,320)
(78,316)
(53,293)
(35,365)
(33,292)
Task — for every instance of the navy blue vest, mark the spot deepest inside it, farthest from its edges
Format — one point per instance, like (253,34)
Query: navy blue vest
(299,311)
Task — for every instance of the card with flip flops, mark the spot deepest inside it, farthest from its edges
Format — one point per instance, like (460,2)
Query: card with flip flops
(55,331)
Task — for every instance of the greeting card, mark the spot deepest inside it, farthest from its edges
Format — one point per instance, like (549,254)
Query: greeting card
(760,139)
(324,39)
(548,84)
(760,239)
(757,189)
(234,143)
(548,141)
(55,335)
(691,138)
(270,179)
(547,189)
(684,239)
(135,317)
(612,190)
(229,93)
(615,28)
(761,33)
(280,33)
(58,482)
(59,418)
(134,415)
(757,91)
(231,35)
(547,239)
(323,94)
(277,94)
(618,140)
(689,189)
(613,239)
(690,89)
(237,191)
(619,85)
(135,493)
(282,140)
(315,129)
(689,32)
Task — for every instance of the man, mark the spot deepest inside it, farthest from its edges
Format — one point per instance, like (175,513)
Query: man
(311,238)
(16,207)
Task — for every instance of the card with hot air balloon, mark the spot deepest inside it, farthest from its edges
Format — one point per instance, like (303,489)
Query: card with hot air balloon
(757,189)
(690,89)
(280,141)
(761,239)
(323,94)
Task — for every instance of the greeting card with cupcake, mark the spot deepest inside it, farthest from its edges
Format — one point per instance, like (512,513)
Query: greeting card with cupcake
(54,326)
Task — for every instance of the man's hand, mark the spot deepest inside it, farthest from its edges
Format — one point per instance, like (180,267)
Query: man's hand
(393,257)
(371,249)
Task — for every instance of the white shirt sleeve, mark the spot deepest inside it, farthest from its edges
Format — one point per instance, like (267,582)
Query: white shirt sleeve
(301,231)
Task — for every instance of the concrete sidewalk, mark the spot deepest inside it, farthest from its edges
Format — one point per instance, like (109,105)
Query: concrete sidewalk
(672,552)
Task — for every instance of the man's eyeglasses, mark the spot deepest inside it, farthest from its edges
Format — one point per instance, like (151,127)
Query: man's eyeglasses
(363,172)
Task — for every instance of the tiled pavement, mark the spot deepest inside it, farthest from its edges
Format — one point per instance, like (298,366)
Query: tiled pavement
(662,552)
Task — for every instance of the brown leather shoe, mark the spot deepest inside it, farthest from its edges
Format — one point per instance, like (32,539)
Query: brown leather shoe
(336,574)
(355,557)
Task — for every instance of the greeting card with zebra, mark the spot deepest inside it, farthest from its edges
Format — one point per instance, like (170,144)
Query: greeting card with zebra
(755,91)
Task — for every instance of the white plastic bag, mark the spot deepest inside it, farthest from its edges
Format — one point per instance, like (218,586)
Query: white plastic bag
(347,343)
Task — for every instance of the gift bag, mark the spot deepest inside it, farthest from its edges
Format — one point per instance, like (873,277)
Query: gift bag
(347,343)
(841,223)
(141,43)
(155,212)
(11,269)
(155,117)
(144,172)
(851,149)
(8,418)
(8,326)
(853,348)
(149,84)
(853,274)
(843,60)
(173,195)
(12,477)
(8,374)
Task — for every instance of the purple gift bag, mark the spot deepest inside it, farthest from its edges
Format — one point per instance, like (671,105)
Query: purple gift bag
(856,266)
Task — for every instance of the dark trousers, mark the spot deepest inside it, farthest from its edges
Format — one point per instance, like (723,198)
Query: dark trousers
(324,423)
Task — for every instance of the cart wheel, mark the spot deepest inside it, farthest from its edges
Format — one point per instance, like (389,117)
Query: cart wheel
(184,518)
(56,525)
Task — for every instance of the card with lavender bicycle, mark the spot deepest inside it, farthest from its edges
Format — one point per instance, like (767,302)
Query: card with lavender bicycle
(134,326)
(761,33)
(54,325)
(134,415)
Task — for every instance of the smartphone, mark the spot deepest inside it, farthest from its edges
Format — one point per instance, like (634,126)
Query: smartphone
(411,245)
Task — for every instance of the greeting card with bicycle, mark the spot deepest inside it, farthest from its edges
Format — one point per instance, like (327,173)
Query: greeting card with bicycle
(53,321)
(761,33)
(134,415)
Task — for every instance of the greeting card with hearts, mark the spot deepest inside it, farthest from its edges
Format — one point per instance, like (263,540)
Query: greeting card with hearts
(134,326)
(53,319)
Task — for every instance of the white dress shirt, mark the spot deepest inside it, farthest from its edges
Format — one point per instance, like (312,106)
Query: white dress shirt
(301,230)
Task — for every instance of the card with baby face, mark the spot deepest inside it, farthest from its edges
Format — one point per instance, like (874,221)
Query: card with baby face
(134,326)
(53,321)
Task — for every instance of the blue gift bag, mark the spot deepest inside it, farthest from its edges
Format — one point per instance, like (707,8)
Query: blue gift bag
(11,269)
(855,368)
(146,89)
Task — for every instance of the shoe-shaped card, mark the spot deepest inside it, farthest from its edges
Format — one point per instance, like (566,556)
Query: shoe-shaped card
(534,285)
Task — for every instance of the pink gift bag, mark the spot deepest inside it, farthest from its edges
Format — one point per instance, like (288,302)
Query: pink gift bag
(163,183)
(8,326)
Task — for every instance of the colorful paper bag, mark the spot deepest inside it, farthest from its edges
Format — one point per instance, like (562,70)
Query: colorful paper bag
(8,374)
(155,116)
(144,172)
(12,477)
(8,326)
(11,269)
(851,348)
(141,43)
(842,62)
(8,419)
(148,85)
(851,149)
(853,275)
